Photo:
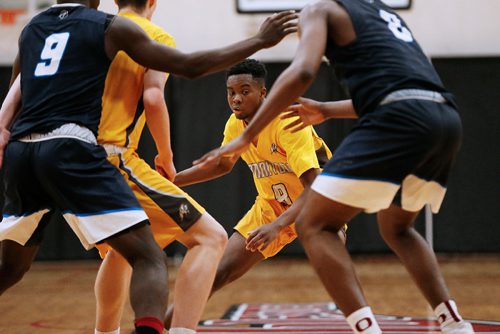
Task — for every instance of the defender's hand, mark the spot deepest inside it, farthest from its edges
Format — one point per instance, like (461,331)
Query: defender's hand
(277,26)
(261,237)
(308,112)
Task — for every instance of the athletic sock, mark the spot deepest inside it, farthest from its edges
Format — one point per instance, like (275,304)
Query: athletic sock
(148,325)
(116,331)
(363,321)
(447,313)
(181,330)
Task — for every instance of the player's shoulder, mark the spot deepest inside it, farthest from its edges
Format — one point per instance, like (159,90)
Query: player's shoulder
(279,124)
(153,30)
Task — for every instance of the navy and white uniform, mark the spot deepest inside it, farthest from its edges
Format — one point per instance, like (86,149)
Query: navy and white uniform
(53,161)
(408,132)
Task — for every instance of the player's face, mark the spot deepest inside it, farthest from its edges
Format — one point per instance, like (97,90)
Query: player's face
(244,95)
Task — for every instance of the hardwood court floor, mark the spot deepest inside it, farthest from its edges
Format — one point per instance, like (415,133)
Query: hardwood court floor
(57,297)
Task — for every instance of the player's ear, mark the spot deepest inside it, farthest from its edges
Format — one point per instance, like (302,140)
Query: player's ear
(263,92)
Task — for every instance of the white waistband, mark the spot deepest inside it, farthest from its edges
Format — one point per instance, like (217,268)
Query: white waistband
(113,149)
(413,94)
(69,130)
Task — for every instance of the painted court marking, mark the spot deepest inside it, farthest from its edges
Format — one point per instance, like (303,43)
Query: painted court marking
(317,318)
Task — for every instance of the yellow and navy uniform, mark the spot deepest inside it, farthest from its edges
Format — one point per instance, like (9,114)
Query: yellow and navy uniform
(170,210)
(277,160)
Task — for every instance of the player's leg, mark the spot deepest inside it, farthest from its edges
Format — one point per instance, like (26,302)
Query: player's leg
(317,226)
(111,291)
(99,206)
(148,286)
(235,262)
(15,262)
(397,228)
(206,241)
(25,215)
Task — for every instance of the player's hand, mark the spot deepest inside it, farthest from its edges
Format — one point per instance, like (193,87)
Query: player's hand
(4,140)
(231,150)
(261,237)
(166,167)
(308,112)
(277,26)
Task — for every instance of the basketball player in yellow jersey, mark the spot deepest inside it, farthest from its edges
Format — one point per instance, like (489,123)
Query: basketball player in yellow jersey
(134,95)
(283,165)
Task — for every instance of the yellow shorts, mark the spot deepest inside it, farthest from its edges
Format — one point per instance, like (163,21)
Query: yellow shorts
(170,210)
(265,212)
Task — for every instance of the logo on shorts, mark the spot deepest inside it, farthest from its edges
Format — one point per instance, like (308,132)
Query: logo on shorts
(274,148)
(183,211)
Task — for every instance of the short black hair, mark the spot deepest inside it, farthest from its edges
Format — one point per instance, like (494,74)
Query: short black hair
(249,66)
(134,3)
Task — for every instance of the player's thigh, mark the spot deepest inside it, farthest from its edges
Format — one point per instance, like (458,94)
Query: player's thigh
(236,259)
(136,243)
(320,213)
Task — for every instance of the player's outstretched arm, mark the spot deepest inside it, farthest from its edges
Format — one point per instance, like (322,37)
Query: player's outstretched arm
(124,35)
(311,112)
(196,174)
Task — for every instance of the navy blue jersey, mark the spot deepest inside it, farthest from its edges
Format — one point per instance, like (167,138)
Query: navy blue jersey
(384,57)
(63,69)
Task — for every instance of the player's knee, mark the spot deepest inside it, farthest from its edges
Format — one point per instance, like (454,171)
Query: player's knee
(219,238)
(212,235)
(394,233)
(303,228)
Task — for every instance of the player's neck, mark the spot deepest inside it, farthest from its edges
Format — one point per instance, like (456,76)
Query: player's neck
(133,10)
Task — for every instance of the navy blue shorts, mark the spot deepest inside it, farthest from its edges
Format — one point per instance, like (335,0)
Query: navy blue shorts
(72,176)
(406,146)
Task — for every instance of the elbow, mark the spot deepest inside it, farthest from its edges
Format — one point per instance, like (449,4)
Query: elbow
(224,168)
(305,76)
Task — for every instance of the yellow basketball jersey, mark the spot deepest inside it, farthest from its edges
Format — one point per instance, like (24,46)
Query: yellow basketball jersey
(123,118)
(279,157)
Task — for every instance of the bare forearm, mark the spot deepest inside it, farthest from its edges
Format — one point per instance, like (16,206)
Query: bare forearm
(158,121)
(11,105)
(338,109)
(195,175)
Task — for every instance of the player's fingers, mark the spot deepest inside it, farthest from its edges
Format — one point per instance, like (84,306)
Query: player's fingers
(289,114)
(284,16)
(293,124)
(254,244)
(298,128)
(206,159)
